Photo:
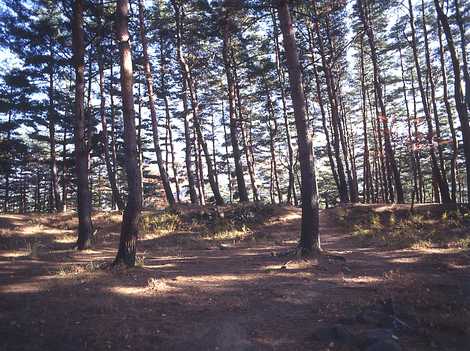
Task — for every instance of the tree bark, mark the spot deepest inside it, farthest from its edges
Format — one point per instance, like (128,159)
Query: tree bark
(242,193)
(367,181)
(187,131)
(85,228)
(458,94)
(104,125)
(309,236)
(450,118)
(436,172)
(343,187)
(389,154)
(291,194)
(58,206)
(130,219)
(153,113)
(463,49)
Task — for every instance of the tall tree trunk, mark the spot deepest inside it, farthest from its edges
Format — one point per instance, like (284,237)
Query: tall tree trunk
(458,94)
(201,139)
(272,136)
(104,125)
(436,172)
(408,121)
(241,122)
(153,113)
(367,182)
(450,118)
(214,151)
(140,144)
(64,166)
(168,120)
(463,49)
(242,193)
(433,100)
(130,219)
(389,154)
(416,142)
(85,228)
(58,206)
(187,131)
(343,187)
(115,200)
(227,158)
(309,236)
(281,82)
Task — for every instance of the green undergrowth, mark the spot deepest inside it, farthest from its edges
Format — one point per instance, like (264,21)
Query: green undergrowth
(405,229)
(197,227)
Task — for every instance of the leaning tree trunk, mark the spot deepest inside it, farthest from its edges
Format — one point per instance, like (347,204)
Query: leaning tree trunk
(153,113)
(309,236)
(130,219)
(85,228)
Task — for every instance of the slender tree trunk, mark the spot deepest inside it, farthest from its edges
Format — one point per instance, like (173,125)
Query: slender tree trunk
(343,187)
(436,172)
(140,145)
(463,48)
(310,236)
(249,157)
(450,118)
(433,101)
(114,165)
(214,151)
(85,228)
(187,132)
(325,130)
(227,158)
(389,154)
(64,167)
(281,82)
(458,94)
(199,171)
(130,219)
(58,206)
(272,137)
(202,140)
(416,143)
(169,129)
(366,163)
(153,113)
(242,193)
(104,125)
(408,121)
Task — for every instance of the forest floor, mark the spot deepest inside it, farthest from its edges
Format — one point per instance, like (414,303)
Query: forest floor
(230,291)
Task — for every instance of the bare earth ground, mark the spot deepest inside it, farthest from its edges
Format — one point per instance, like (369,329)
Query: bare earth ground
(233,297)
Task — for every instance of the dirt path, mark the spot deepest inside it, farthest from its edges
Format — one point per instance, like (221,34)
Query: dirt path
(237,297)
